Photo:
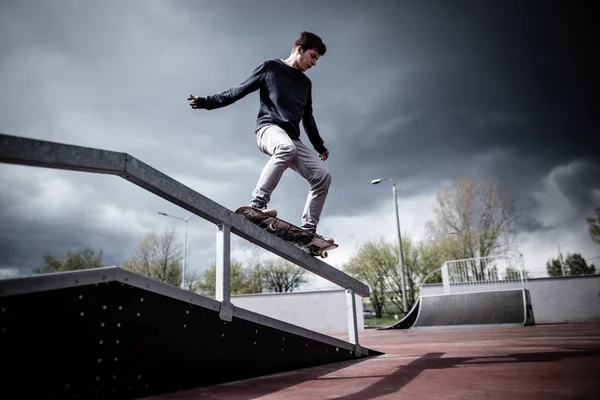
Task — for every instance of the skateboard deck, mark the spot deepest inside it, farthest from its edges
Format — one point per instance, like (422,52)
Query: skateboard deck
(311,243)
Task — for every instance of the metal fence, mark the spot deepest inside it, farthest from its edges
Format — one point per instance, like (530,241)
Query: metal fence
(484,274)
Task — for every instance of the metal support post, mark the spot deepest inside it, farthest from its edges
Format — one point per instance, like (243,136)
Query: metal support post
(352,321)
(401,253)
(223,271)
(184,255)
(401,266)
(560,258)
(446,278)
(522,271)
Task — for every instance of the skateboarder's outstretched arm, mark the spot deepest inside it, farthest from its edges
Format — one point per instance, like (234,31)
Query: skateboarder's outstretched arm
(230,96)
(310,126)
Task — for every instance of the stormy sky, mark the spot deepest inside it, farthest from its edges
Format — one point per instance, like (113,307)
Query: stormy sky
(422,92)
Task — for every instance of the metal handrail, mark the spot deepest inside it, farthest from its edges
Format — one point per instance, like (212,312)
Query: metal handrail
(40,153)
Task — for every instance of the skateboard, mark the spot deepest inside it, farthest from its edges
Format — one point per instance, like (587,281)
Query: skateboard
(313,244)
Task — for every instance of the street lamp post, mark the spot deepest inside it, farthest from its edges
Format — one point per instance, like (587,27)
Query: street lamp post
(401,256)
(560,257)
(184,244)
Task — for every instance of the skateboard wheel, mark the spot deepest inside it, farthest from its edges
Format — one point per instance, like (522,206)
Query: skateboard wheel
(271,227)
(324,254)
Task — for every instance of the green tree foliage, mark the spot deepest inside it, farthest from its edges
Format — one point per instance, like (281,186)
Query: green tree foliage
(191,277)
(594,226)
(415,268)
(84,258)
(158,257)
(432,255)
(376,264)
(410,254)
(575,264)
(372,265)
(513,274)
(553,267)
(239,280)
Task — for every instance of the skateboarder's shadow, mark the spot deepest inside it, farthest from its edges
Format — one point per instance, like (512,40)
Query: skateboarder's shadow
(406,373)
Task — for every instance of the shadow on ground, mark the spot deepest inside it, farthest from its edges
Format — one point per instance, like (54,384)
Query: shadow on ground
(391,383)
(406,373)
(262,386)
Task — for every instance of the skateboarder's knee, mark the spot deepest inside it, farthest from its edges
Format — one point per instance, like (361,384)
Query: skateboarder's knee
(322,178)
(286,152)
(326,177)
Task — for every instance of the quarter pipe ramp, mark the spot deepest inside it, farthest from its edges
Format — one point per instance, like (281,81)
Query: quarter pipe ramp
(494,308)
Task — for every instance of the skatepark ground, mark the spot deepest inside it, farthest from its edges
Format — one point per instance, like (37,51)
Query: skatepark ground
(557,361)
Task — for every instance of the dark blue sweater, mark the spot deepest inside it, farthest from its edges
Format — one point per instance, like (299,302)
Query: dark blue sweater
(285,99)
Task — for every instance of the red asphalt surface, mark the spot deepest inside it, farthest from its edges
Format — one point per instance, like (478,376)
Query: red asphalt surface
(559,361)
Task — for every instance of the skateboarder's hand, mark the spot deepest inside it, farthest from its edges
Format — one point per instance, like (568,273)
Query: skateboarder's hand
(196,102)
(324,156)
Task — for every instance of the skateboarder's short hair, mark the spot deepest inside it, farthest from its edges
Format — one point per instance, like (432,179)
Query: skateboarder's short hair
(308,40)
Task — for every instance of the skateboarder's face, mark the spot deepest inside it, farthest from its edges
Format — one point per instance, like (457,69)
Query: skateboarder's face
(307,59)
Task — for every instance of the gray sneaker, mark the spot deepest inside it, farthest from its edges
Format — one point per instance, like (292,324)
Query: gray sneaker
(325,238)
(271,212)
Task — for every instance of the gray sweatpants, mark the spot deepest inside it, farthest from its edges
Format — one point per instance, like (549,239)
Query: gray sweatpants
(287,153)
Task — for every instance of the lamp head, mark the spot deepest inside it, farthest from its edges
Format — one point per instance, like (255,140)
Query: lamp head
(375,181)
(162,213)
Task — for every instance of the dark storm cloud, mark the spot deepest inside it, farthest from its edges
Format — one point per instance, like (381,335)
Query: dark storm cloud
(418,91)
(479,85)
(26,233)
(569,194)
(63,211)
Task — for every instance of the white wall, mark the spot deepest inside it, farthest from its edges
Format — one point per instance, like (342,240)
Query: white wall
(568,299)
(321,311)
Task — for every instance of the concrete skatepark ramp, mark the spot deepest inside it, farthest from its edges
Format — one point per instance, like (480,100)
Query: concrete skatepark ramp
(497,308)
(408,320)
(494,308)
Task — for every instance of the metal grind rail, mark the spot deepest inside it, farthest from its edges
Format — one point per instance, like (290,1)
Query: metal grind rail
(46,154)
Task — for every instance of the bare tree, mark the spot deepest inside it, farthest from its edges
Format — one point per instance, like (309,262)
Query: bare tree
(157,257)
(255,271)
(479,216)
(279,275)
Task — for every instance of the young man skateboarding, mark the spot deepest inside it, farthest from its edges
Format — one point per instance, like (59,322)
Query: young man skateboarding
(285,100)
